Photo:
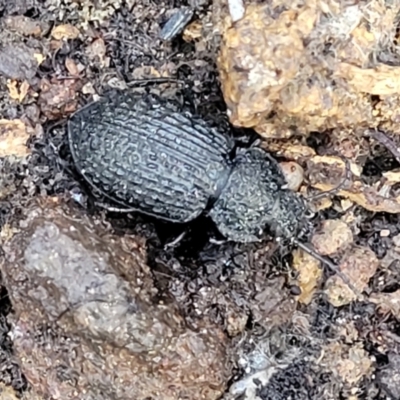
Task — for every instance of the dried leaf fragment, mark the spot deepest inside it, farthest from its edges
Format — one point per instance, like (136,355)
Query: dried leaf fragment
(13,138)
(192,31)
(71,67)
(289,150)
(65,31)
(16,93)
(39,57)
(328,173)
(13,90)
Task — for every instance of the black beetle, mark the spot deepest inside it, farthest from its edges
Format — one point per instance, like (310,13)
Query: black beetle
(151,156)
(147,154)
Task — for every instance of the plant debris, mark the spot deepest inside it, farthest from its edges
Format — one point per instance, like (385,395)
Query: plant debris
(310,273)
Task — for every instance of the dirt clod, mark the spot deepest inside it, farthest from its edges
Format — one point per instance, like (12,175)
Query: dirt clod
(333,236)
(359,265)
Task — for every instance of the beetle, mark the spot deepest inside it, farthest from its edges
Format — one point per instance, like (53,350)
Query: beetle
(150,155)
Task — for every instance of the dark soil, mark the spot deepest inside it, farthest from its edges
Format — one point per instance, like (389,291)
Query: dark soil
(274,346)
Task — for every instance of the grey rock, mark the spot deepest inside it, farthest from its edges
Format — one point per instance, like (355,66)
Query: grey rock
(390,376)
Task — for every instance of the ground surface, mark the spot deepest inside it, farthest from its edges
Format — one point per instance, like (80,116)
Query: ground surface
(243,298)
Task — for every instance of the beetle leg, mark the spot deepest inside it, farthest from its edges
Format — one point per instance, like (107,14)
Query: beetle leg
(114,209)
(173,244)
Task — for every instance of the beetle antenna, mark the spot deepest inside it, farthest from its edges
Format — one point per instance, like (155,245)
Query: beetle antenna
(333,267)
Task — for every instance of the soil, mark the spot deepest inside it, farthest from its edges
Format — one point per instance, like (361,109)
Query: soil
(205,319)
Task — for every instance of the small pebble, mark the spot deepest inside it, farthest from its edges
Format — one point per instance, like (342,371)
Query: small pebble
(294,174)
(396,240)
(385,233)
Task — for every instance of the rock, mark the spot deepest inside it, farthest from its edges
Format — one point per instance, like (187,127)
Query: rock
(58,97)
(349,362)
(301,66)
(25,25)
(86,324)
(294,174)
(14,135)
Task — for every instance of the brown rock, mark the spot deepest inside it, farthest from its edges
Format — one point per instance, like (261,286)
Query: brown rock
(350,363)
(301,66)
(85,323)
(58,97)
(24,25)
(14,135)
